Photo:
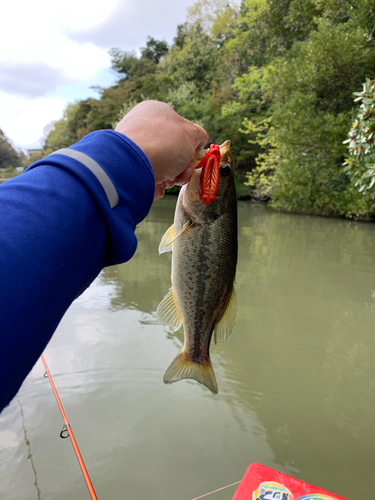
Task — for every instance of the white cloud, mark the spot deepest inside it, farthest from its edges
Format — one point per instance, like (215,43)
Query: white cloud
(52,52)
(38,60)
(37,32)
(30,79)
(22,120)
(83,14)
(129,24)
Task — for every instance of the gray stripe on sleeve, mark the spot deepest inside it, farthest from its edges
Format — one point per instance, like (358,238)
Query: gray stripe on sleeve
(97,170)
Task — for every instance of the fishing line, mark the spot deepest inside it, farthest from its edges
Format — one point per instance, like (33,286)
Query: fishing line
(29,454)
(215,491)
(67,428)
(196,220)
(204,208)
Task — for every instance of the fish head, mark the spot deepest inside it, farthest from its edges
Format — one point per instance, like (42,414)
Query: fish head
(190,193)
(226,172)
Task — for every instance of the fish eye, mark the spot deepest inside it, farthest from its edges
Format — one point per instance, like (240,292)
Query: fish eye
(225,170)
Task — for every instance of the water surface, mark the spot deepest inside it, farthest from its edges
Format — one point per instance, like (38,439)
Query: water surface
(296,379)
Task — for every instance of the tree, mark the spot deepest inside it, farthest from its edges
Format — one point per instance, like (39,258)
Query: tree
(311,113)
(321,58)
(128,64)
(154,50)
(360,163)
(9,158)
(62,135)
(179,39)
(274,76)
(131,66)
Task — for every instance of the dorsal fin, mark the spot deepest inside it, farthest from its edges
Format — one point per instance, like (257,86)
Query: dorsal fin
(224,328)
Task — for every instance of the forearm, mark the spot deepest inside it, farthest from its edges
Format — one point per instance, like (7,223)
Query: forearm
(57,231)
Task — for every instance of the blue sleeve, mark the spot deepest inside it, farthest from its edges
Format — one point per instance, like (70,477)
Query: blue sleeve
(57,231)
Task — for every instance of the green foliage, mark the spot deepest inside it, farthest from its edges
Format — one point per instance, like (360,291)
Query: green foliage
(360,163)
(9,157)
(205,12)
(196,61)
(62,135)
(179,39)
(307,103)
(275,77)
(332,62)
(287,22)
(186,101)
(261,178)
(252,109)
(128,64)
(154,50)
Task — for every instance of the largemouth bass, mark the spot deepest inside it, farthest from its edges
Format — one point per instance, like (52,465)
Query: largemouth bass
(203,240)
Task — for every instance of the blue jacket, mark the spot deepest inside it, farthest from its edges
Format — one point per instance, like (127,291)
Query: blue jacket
(63,220)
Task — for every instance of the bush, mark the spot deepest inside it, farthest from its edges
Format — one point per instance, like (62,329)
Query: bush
(360,163)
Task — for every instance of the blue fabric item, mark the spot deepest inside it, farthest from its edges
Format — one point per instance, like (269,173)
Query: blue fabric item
(57,232)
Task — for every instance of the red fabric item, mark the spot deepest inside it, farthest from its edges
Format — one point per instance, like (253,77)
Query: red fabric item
(262,483)
(209,182)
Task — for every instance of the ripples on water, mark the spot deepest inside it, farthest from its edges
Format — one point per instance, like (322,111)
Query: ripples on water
(296,380)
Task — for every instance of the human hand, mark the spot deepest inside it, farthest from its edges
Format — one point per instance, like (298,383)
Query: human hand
(168,140)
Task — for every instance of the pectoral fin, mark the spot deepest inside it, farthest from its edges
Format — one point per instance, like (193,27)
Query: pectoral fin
(169,237)
(167,312)
(182,368)
(224,328)
(165,244)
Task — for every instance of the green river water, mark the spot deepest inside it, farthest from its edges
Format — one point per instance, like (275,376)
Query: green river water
(296,379)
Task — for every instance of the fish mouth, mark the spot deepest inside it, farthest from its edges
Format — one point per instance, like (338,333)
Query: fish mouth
(185,199)
(191,190)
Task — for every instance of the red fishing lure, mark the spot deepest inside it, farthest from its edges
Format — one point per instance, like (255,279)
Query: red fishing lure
(209,182)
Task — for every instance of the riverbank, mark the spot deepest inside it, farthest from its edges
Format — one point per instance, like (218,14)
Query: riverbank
(6,175)
(244,193)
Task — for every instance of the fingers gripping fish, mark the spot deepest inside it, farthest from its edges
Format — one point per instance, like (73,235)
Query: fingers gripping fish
(203,241)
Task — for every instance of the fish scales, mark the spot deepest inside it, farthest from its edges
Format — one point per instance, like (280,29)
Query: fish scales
(203,240)
(199,288)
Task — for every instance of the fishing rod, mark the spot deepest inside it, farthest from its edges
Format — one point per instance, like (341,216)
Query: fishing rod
(67,429)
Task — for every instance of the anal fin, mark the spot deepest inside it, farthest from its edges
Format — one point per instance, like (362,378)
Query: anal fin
(167,312)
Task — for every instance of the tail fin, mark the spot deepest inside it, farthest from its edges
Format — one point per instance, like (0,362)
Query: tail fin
(182,368)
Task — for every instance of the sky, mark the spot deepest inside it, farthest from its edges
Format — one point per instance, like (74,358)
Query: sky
(53,52)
